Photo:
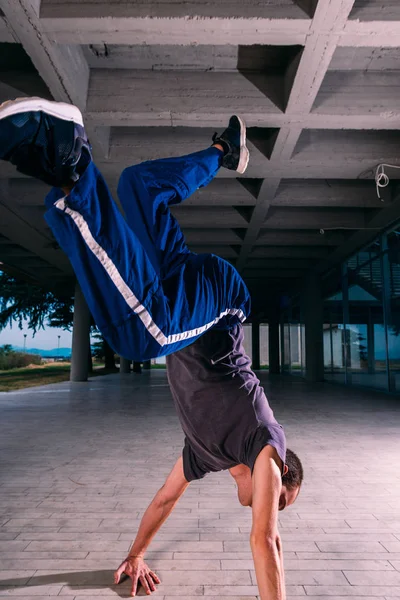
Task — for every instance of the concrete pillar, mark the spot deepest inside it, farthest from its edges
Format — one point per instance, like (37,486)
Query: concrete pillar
(313,315)
(124,365)
(137,368)
(80,338)
(273,342)
(255,343)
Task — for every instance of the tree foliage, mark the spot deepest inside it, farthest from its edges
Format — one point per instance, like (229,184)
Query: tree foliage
(21,301)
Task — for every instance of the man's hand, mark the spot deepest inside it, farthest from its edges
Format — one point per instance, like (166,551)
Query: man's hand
(155,515)
(139,572)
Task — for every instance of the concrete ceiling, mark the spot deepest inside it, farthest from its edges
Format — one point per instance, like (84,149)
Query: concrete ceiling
(316,80)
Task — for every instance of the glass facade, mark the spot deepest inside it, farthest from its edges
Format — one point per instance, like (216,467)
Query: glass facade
(292,340)
(264,346)
(361,329)
(247,339)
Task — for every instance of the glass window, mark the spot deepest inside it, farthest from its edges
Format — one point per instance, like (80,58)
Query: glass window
(333,332)
(247,342)
(264,346)
(366,319)
(393,289)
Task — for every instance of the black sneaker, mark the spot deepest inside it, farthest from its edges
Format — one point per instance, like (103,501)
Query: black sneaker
(233,140)
(44,139)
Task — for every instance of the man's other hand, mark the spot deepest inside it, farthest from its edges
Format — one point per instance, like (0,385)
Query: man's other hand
(139,572)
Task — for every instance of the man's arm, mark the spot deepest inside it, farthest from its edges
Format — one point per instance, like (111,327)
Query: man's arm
(155,515)
(265,541)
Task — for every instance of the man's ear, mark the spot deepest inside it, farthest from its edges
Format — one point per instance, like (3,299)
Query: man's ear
(285,469)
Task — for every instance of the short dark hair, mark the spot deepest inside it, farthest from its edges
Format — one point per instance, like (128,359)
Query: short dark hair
(294,476)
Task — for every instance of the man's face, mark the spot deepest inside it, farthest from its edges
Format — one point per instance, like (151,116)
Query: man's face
(287,497)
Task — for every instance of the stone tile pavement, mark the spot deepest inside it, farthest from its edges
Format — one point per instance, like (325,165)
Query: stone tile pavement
(79,464)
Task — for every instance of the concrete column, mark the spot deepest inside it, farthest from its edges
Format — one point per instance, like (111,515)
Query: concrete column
(273,342)
(255,343)
(124,365)
(312,310)
(80,338)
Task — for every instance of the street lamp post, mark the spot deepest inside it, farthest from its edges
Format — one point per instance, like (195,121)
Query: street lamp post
(25,334)
(58,347)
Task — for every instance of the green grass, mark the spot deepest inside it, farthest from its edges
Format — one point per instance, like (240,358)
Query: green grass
(17,379)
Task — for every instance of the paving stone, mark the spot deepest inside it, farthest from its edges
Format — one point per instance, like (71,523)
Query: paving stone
(373,578)
(23,591)
(358,591)
(391,546)
(350,546)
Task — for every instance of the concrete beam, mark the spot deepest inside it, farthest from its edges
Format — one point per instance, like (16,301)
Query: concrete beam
(325,193)
(63,68)
(223,251)
(372,34)
(192,9)
(296,218)
(279,263)
(192,115)
(269,274)
(6,34)
(222,218)
(329,19)
(365,59)
(221,192)
(84,24)
(292,252)
(208,237)
(264,200)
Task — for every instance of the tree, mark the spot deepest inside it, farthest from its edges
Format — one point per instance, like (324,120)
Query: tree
(22,302)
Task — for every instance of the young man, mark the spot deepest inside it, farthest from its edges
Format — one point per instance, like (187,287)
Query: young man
(150,296)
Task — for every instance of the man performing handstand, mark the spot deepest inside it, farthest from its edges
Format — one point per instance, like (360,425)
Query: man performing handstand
(151,296)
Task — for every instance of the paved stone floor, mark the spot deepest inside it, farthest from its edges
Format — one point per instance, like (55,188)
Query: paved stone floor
(79,464)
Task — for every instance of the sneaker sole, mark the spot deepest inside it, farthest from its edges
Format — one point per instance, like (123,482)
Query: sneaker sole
(60,110)
(244,151)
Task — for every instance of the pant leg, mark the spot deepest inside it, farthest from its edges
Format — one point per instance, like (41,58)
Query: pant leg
(202,290)
(146,192)
(117,279)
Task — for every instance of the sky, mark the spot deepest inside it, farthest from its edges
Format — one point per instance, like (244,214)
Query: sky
(45,339)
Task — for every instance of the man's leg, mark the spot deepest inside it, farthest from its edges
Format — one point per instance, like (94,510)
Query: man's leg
(146,192)
(203,290)
(118,281)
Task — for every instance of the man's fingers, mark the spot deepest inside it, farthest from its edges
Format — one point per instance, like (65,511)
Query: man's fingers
(145,585)
(155,577)
(134,585)
(150,582)
(119,572)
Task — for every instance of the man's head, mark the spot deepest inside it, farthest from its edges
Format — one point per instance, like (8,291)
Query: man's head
(291,480)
